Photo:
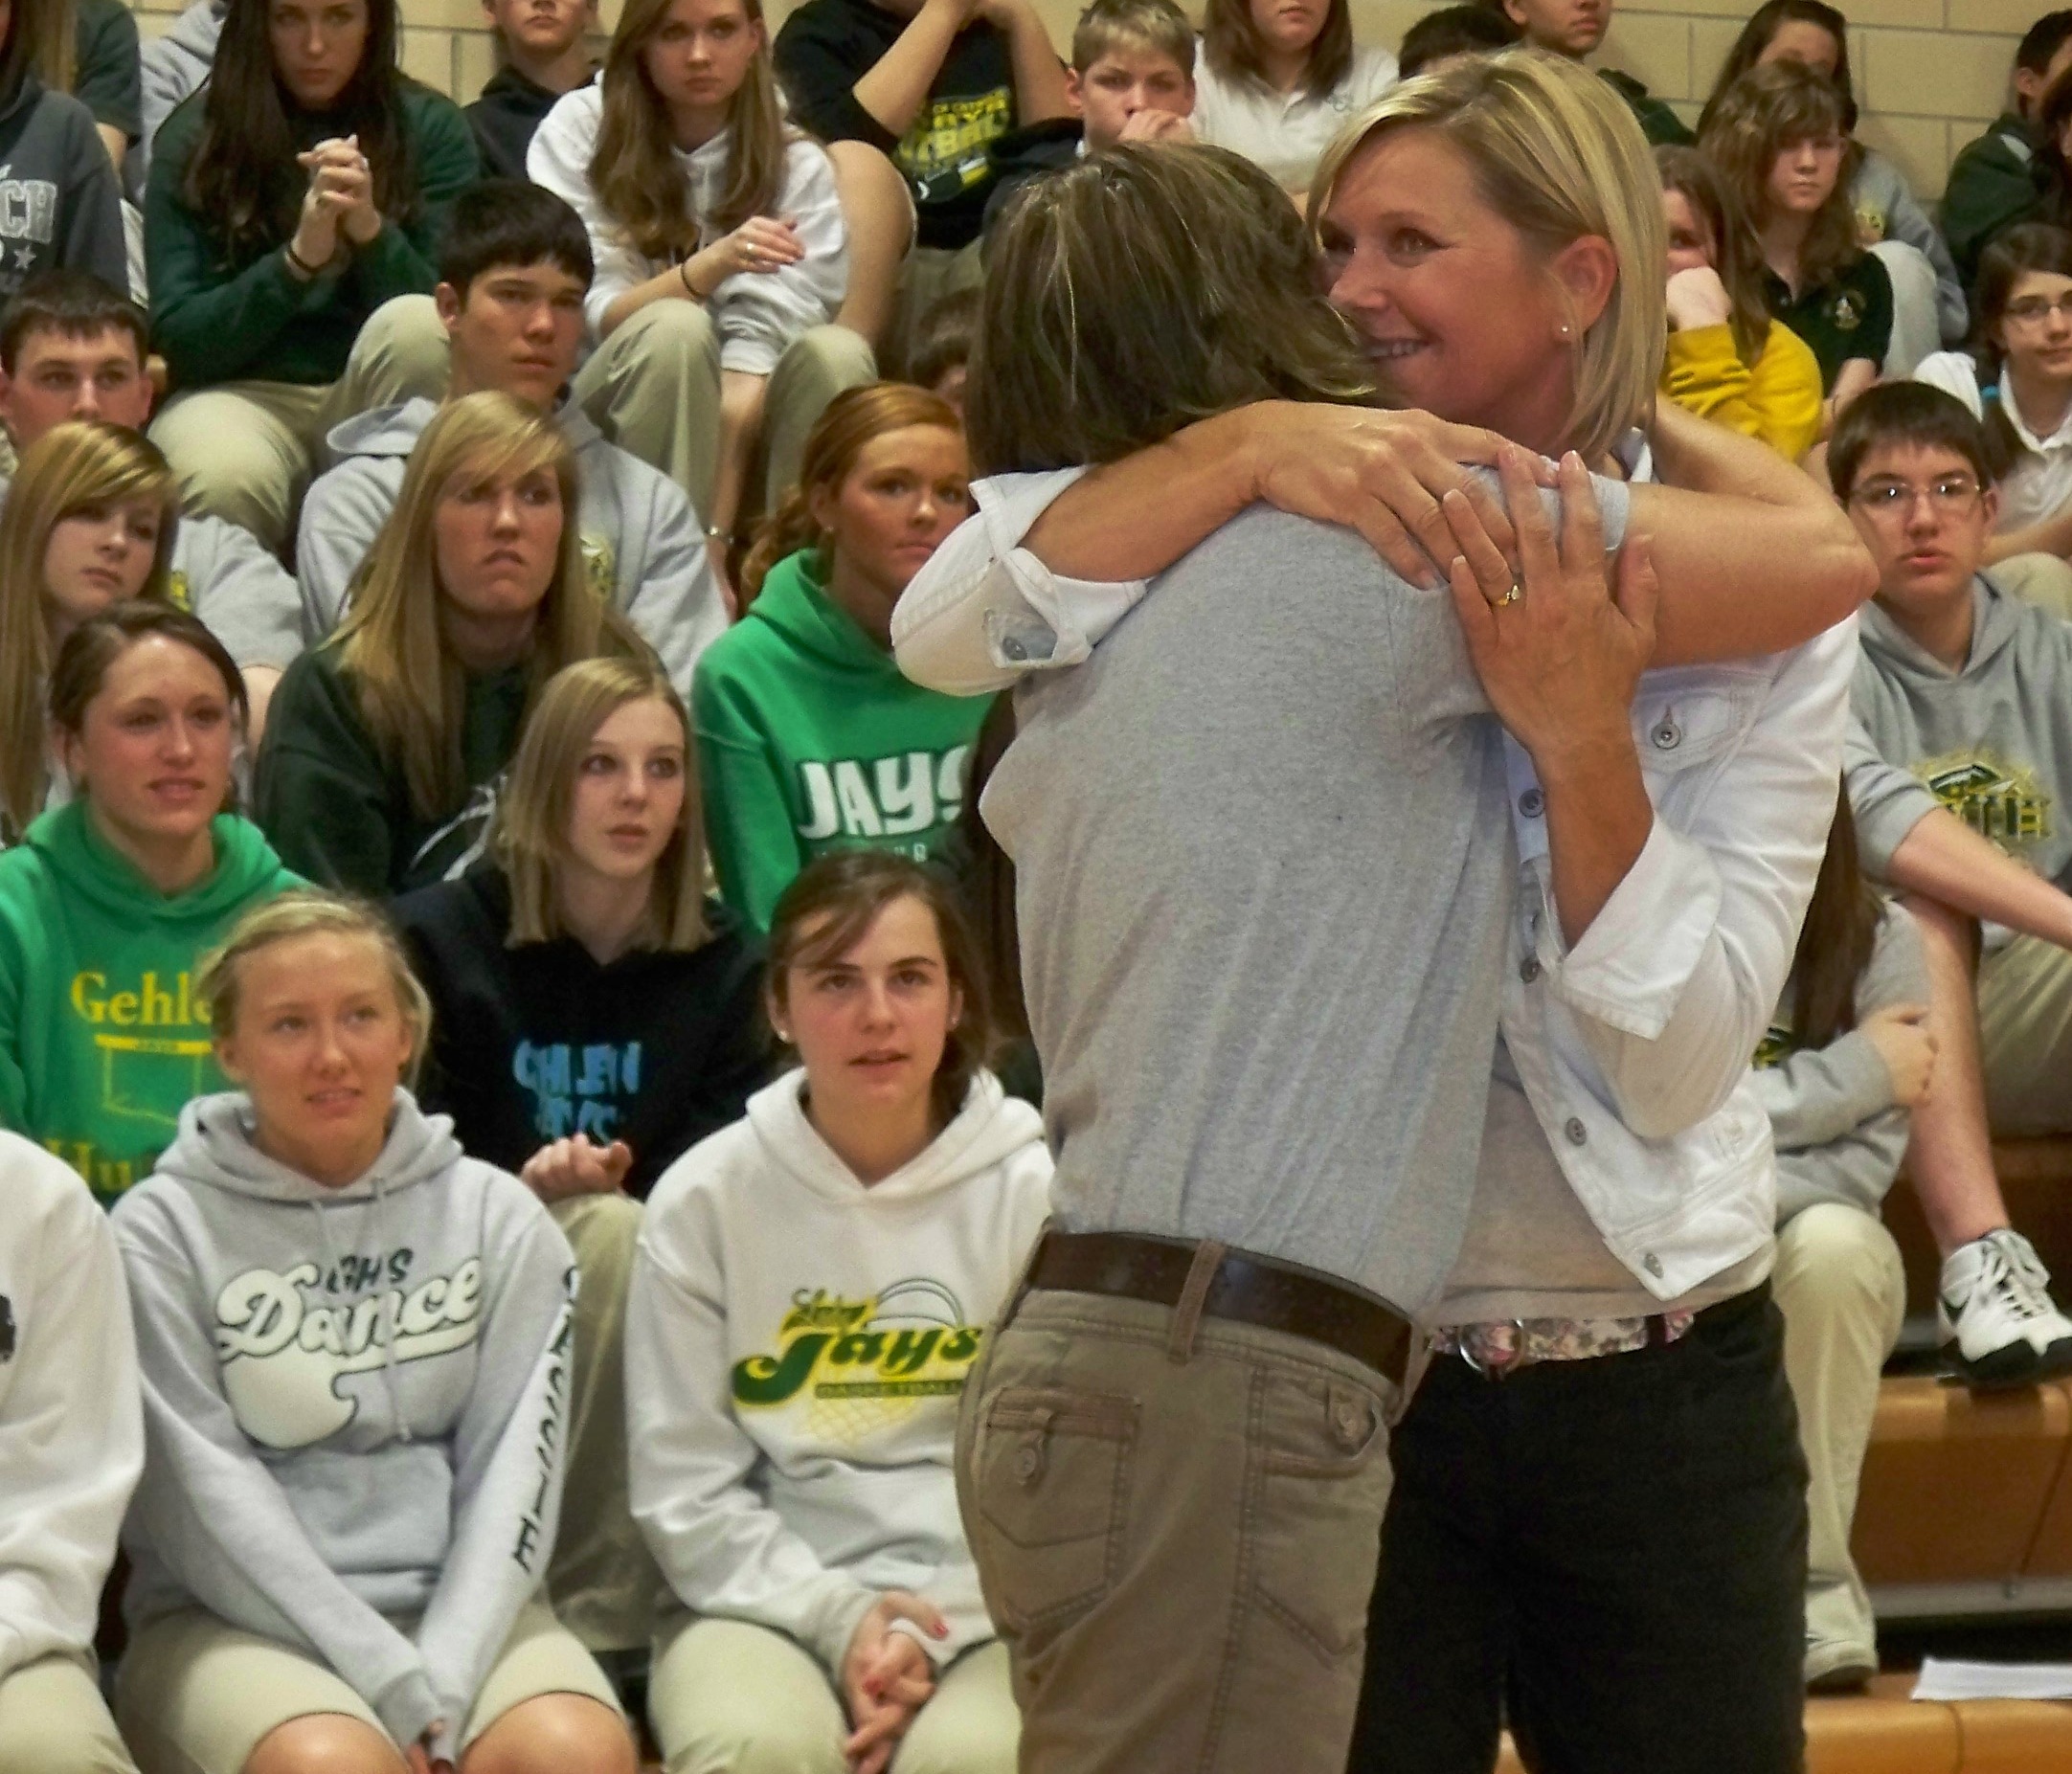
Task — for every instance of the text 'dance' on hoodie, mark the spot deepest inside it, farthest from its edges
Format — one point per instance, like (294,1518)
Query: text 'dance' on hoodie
(810,740)
(101,1038)
(795,1344)
(1993,741)
(354,1402)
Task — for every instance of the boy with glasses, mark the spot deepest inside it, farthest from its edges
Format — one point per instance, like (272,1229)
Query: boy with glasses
(1958,779)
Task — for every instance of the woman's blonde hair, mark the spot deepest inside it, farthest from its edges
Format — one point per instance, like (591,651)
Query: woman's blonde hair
(849,421)
(311,911)
(1232,43)
(1556,152)
(1755,120)
(73,467)
(411,690)
(633,169)
(531,833)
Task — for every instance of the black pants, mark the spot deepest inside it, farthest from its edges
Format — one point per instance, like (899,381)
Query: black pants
(1612,1550)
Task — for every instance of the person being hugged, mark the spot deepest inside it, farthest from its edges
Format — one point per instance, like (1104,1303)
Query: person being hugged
(808,736)
(385,745)
(300,192)
(354,1341)
(110,898)
(811,1288)
(721,253)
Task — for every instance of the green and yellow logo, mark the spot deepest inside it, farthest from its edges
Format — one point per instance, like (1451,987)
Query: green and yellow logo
(1996,799)
(909,1342)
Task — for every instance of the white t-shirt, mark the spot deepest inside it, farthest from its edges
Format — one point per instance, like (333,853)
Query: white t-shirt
(1285,132)
(2039,485)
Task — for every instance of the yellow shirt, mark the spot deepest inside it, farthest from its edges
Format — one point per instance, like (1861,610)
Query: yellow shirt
(1776,399)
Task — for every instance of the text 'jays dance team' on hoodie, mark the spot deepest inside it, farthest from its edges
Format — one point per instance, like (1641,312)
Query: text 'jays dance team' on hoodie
(102,1040)
(796,1343)
(810,740)
(353,1403)
(1991,741)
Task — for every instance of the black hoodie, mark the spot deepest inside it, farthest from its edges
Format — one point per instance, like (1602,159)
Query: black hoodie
(536,1042)
(503,118)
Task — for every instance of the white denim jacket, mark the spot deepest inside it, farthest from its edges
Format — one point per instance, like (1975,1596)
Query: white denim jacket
(1634,1046)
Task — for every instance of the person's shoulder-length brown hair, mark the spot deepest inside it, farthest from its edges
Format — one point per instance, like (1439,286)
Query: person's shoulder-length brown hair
(530,837)
(1137,291)
(1231,42)
(1753,121)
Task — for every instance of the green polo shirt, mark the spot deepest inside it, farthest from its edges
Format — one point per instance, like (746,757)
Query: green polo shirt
(1848,316)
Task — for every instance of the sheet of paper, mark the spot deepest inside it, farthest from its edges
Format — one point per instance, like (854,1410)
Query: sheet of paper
(1947,1678)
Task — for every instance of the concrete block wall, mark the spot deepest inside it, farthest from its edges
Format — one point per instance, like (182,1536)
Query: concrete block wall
(1929,72)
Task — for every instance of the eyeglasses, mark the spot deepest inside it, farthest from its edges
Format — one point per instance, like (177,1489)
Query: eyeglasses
(2032,309)
(1953,495)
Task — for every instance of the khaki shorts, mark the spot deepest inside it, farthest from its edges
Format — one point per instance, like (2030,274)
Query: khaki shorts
(53,1720)
(196,1695)
(2025,1038)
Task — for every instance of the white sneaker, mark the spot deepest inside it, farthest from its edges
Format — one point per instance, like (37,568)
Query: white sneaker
(1997,1322)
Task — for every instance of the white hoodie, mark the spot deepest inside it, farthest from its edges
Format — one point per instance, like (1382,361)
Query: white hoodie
(796,1342)
(71,1428)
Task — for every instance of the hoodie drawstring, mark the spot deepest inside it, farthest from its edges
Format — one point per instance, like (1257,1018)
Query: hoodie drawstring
(387,1332)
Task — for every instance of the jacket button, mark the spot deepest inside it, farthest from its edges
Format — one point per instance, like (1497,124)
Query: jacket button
(1532,803)
(1011,648)
(1029,1462)
(1667,737)
(1528,970)
(1576,1133)
(1653,1264)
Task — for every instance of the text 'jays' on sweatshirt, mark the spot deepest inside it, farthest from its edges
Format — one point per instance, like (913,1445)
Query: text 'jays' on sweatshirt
(102,1039)
(795,1345)
(1840,1134)
(538,1042)
(354,1402)
(810,740)
(1991,741)
(71,1430)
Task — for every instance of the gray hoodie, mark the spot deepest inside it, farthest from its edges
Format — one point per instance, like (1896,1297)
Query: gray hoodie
(1840,1134)
(353,1405)
(1880,189)
(174,65)
(641,538)
(1991,742)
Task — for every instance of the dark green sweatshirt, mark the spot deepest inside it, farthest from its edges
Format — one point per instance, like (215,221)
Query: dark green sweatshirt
(1994,183)
(102,1042)
(217,318)
(809,739)
(340,809)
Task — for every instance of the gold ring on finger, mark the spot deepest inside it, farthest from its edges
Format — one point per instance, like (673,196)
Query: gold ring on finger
(1511,596)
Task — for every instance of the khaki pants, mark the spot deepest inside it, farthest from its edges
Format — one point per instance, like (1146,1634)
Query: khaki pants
(245,451)
(2044,580)
(1176,1522)
(605,1587)
(53,1720)
(653,388)
(928,273)
(198,1696)
(728,1697)
(1842,1293)
(2025,1038)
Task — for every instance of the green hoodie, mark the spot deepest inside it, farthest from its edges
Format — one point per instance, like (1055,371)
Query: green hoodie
(101,1043)
(809,740)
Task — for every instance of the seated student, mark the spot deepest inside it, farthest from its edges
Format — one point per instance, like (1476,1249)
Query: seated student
(1844,1062)
(1439,37)
(1727,359)
(354,1340)
(109,899)
(942,342)
(72,346)
(71,1448)
(595,1017)
(381,762)
(1962,695)
(294,197)
(2016,379)
(868,1218)
(1928,299)
(1776,137)
(1276,83)
(512,271)
(720,252)
(808,736)
(1132,80)
(64,204)
(1574,29)
(1994,182)
(542,56)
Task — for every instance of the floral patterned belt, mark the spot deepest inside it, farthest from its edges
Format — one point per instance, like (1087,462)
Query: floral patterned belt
(1495,1350)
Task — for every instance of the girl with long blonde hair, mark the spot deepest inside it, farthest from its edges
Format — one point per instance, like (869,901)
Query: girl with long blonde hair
(89,521)
(720,253)
(381,760)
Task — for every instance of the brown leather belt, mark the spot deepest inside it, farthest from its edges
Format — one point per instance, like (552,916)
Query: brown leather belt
(1246,1288)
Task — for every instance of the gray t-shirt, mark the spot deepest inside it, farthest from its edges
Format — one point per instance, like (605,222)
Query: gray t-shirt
(1264,867)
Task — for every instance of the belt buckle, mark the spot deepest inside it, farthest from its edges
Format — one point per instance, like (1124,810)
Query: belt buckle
(1497,1367)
